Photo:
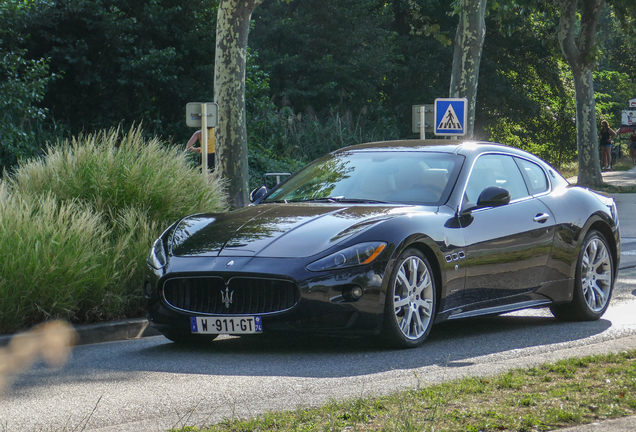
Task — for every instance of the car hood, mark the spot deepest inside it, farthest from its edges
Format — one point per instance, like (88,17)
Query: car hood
(276,230)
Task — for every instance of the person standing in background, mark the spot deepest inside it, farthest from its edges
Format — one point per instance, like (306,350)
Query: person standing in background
(196,137)
(606,144)
(632,144)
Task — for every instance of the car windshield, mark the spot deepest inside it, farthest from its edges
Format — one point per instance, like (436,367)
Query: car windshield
(404,177)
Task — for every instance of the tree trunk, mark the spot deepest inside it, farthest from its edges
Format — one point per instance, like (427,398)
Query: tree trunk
(469,41)
(577,50)
(586,129)
(229,92)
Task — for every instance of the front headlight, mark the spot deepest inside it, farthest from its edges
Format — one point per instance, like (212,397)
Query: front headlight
(157,255)
(360,254)
(614,212)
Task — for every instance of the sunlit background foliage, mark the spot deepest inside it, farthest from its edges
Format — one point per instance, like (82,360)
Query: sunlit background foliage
(321,75)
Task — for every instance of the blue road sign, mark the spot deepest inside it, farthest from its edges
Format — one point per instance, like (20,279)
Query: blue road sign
(450,116)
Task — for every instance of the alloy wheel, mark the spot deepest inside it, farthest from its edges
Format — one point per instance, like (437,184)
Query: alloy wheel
(413,297)
(596,274)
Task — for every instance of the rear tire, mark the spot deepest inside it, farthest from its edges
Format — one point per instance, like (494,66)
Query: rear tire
(411,301)
(593,284)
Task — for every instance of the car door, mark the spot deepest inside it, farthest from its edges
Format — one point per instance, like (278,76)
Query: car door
(507,247)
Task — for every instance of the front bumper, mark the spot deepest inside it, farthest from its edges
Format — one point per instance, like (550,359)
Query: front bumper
(321,306)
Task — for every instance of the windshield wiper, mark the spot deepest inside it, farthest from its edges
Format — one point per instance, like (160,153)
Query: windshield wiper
(319,200)
(361,200)
(341,199)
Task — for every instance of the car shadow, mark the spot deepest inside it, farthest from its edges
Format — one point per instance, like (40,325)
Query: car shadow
(450,343)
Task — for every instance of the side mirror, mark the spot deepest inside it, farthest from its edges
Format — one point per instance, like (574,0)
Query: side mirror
(493,196)
(259,193)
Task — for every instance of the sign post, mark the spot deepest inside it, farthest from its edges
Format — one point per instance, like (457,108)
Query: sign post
(203,115)
(450,116)
(422,119)
(204,138)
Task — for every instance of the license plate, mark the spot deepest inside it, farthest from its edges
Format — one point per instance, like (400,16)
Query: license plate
(226,325)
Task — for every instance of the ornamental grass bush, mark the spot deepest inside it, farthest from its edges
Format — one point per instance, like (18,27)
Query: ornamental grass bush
(76,225)
(111,172)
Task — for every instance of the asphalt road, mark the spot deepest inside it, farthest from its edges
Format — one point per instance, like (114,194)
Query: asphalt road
(151,384)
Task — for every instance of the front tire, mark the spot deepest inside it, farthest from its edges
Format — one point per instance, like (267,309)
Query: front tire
(411,301)
(594,282)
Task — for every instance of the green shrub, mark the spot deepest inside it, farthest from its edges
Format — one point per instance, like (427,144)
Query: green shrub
(76,226)
(112,173)
(285,141)
(307,137)
(52,256)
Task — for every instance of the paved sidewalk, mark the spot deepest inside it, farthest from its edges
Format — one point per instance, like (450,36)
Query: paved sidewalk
(615,178)
(623,424)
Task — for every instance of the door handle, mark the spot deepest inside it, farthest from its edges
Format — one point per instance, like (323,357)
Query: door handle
(541,218)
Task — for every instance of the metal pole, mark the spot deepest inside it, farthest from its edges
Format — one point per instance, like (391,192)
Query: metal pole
(204,138)
(422,122)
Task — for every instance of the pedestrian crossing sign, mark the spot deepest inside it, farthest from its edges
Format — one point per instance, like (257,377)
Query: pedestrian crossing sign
(450,116)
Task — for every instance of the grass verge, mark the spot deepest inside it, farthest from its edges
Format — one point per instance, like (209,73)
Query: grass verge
(551,396)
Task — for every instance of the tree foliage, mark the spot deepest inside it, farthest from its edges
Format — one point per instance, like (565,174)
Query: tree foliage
(355,57)
(124,62)
(321,54)
(321,73)
(522,65)
(22,87)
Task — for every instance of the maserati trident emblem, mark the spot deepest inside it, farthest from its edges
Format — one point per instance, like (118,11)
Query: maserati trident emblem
(229,264)
(226,297)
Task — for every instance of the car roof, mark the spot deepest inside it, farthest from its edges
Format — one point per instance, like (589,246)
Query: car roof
(464,147)
(437,145)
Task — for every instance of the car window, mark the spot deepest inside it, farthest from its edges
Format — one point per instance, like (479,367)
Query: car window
(393,177)
(535,176)
(495,170)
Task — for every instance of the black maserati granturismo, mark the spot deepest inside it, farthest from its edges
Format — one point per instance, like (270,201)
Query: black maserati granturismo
(386,239)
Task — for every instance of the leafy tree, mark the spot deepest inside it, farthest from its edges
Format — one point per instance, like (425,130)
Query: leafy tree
(578,43)
(424,30)
(124,62)
(614,79)
(323,54)
(527,99)
(22,86)
(577,36)
(355,59)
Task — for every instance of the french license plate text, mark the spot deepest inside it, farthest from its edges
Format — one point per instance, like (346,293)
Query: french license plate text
(226,325)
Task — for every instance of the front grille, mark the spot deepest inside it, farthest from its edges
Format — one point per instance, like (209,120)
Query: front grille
(249,296)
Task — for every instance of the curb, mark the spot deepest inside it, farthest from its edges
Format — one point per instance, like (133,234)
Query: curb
(111,331)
